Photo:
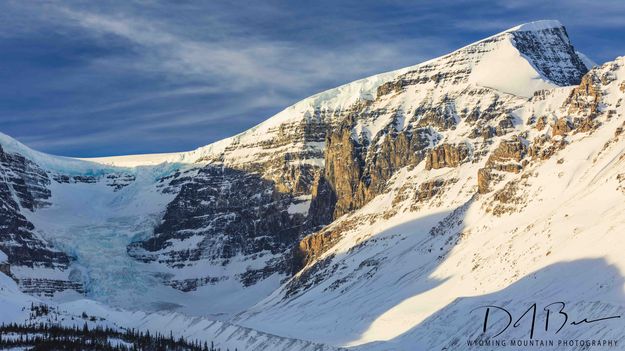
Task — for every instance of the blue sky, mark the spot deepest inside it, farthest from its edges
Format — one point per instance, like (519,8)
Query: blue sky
(122,77)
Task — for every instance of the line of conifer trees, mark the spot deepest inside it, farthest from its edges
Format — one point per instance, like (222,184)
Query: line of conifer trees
(54,337)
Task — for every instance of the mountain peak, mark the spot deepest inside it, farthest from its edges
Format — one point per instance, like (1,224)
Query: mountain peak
(537,26)
(547,47)
(518,61)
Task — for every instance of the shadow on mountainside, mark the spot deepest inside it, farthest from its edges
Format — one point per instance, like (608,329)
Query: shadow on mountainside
(590,289)
(97,231)
(224,228)
(367,280)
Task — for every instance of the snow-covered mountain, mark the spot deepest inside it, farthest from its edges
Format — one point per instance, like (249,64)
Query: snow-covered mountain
(374,216)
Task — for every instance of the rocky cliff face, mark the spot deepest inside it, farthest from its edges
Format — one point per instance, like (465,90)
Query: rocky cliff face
(219,214)
(550,52)
(500,221)
(24,187)
(415,113)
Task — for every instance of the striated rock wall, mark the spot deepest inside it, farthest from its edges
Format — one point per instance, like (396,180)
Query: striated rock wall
(505,158)
(552,54)
(446,155)
(344,163)
(355,175)
(584,99)
(225,213)
(24,185)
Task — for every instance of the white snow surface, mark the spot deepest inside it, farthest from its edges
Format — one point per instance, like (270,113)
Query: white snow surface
(50,162)
(506,70)
(536,26)
(15,308)
(133,160)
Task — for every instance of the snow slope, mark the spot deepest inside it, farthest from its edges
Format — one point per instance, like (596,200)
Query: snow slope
(505,70)
(406,279)
(16,308)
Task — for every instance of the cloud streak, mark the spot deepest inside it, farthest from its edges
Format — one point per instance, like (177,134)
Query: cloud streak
(95,78)
(242,62)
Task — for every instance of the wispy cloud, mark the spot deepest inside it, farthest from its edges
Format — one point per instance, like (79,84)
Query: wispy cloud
(241,62)
(89,78)
(238,70)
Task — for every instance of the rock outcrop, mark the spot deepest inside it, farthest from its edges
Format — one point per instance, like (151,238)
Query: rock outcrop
(5,268)
(225,213)
(561,127)
(584,99)
(24,186)
(446,155)
(552,54)
(505,158)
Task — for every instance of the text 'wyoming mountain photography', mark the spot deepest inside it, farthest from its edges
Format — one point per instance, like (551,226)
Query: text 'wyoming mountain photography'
(362,175)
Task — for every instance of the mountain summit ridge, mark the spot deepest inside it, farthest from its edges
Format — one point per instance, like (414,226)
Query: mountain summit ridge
(340,97)
(536,26)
